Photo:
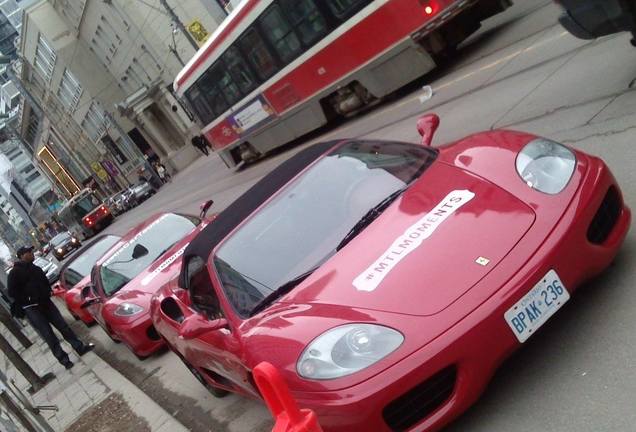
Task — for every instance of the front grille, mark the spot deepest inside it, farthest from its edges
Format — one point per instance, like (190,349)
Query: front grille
(152,333)
(420,401)
(605,217)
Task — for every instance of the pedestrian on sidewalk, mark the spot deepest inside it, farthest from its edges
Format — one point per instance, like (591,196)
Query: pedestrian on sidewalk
(162,172)
(31,293)
(199,142)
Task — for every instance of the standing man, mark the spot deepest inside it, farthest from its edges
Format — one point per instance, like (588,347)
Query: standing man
(31,293)
(199,142)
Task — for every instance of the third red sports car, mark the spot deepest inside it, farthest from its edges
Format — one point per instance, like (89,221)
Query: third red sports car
(75,275)
(387,281)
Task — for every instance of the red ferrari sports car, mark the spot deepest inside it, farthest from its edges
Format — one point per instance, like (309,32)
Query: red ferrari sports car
(387,281)
(75,275)
(124,280)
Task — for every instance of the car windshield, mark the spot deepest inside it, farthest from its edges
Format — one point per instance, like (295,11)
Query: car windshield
(87,258)
(60,238)
(303,225)
(120,268)
(84,206)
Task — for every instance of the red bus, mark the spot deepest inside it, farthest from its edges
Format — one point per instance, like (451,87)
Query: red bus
(277,69)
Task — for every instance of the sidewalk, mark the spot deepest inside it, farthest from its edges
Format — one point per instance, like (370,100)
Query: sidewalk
(79,391)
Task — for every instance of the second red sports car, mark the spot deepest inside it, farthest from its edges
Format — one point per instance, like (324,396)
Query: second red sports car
(123,281)
(387,281)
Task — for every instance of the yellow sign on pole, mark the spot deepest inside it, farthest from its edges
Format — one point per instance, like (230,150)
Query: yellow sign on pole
(198,32)
(100,171)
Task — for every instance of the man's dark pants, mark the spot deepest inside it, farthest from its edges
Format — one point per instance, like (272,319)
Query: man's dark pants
(41,317)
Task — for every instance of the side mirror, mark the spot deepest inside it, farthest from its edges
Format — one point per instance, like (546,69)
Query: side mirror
(426,126)
(139,251)
(205,206)
(90,302)
(195,325)
(88,292)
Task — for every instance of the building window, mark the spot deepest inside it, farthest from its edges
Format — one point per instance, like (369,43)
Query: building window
(70,91)
(27,168)
(94,123)
(44,58)
(33,176)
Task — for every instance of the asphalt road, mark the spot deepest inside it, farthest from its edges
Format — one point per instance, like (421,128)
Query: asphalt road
(521,71)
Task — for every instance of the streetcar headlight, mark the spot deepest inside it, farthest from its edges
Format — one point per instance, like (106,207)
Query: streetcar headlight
(347,349)
(545,165)
(60,250)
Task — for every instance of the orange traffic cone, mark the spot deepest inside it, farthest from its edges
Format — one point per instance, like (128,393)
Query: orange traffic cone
(289,418)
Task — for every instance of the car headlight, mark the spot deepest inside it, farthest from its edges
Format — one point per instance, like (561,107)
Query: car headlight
(545,165)
(128,309)
(347,349)
(60,250)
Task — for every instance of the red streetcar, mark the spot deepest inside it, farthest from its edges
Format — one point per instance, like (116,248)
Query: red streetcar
(124,280)
(387,281)
(83,213)
(277,69)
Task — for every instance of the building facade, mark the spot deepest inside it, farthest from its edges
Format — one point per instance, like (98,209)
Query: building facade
(102,73)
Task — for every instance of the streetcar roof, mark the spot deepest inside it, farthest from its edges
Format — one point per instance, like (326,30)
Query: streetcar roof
(203,58)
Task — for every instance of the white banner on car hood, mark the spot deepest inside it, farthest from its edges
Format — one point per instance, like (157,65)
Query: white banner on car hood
(411,240)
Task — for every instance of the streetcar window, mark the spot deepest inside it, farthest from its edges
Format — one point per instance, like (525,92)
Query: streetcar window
(305,17)
(200,104)
(345,8)
(209,87)
(257,54)
(280,34)
(239,70)
(225,83)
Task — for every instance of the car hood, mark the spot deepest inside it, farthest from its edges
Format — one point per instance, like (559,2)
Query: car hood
(425,251)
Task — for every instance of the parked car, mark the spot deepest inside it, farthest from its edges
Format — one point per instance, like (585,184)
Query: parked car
(124,279)
(387,281)
(75,275)
(51,269)
(117,203)
(141,192)
(590,19)
(64,243)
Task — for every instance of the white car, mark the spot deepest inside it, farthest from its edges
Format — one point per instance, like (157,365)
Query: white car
(49,267)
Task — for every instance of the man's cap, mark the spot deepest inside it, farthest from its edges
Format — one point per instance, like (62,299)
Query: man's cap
(24,249)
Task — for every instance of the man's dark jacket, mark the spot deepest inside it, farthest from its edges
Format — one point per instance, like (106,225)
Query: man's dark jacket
(28,284)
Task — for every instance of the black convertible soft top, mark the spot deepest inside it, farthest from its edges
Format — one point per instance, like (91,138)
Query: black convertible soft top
(203,244)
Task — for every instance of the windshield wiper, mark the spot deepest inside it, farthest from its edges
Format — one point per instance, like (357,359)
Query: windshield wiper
(369,217)
(280,291)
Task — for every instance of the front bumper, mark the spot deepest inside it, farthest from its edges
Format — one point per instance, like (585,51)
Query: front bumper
(101,223)
(66,249)
(475,346)
(73,300)
(139,335)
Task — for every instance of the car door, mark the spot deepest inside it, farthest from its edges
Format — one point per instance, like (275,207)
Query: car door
(95,309)
(216,353)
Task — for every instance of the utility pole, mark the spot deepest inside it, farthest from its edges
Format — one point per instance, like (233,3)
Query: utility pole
(23,367)
(15,330)
(179,24)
